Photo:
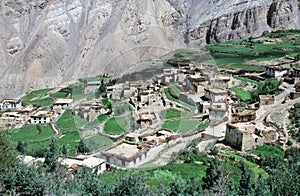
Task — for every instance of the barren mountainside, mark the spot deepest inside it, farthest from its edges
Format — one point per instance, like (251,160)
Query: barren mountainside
(46,43)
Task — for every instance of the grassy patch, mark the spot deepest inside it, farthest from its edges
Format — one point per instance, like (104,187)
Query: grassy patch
(43,102)
(267,151)
(70,140)
(203,126)
(100,119)
(97,141)
(173,113)
(176,90)
(245,79)
(68,123)
(36,94)
(60,94)
(30,133)
(115,125)
(180,126)
(241,94)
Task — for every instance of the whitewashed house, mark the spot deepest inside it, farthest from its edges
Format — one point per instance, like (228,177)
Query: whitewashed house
(276,71)
(10,104)
(41,117)
(216,95)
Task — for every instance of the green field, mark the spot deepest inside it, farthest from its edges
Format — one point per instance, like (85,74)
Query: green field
(241,94)
(68,123)
(115,126)
(245,79)
(36,94)
(30,133)
(176,90)
(180,126)
(60,94)
(173,113)
(97,141)
(42,102)
(100,119)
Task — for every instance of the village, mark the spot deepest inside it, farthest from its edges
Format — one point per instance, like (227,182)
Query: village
(199,95)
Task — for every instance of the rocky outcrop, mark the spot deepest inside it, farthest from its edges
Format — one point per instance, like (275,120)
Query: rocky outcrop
(45,43)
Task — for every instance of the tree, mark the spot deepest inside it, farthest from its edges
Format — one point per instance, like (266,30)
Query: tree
(246,186)
(82,148)
(213,173)
(64,151)
(7,158)
(52,156)
(21,147)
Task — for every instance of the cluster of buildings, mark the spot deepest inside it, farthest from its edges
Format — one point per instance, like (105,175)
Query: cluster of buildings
(135,148)
(15,115)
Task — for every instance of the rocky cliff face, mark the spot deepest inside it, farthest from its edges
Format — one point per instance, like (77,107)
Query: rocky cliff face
(50,42)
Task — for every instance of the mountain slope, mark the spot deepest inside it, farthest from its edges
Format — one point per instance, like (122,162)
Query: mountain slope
(49,42)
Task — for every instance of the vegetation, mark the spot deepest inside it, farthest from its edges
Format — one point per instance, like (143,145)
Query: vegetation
(294,117)
(180,126)
(68,123)
(246,79)
(270,86)
(241,94)
(36,94)
(115,125)
(173,113)
(176,90)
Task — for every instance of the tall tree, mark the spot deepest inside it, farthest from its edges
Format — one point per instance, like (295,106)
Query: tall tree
(246,186)
(82,148)
(7,158)
(52,155)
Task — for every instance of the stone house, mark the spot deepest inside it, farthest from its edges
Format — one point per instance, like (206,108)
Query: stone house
(11,119)
(276,71)
(197,83)
(96,164)
(90,110)
(216,95)
(10,104)
(204,107)
(189,98)
(266,99)
(247,114)
(186,65)
(169,76)
(218,111)
(41,117)
(59,105)
(145,119)
(224,81)
(242,136)
(296,94)
(114,92)
(245,136)
(296,72)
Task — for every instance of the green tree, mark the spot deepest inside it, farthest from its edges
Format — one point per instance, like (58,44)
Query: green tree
(64,151)
(21,147)
(52,156)
(247,185)
(213,173)
(82,148)
(7,158)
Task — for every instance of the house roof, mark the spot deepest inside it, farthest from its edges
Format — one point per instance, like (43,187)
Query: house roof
(41,113)
(62,101)
(216,91)
(13,100)
(277,68)
(196,99)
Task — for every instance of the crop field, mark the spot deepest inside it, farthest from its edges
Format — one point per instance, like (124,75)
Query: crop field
(180,126)
(241,94)
(174,113)
(36,94)
(115,125)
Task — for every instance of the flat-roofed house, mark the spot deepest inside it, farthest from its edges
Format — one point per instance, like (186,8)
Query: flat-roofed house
(216,95)
(59,105)
(41,117)
(10,104)
(242,136)
(296,72)
(276,71)
(11,119)
(218,111)
(266,99)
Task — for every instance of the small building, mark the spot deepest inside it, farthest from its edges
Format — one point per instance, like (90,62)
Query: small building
(59,105)
(186,65)
(296,72)
(41,117)
(197,83)
(204,107)
(276,71)
(216,95)
(94,163)
(145,119)
(245,136)
(218,111)
(242,136)
(266,99)
(245,115)
(114,92)
(10,104)
(11,119)
(192,99)
(90,110)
